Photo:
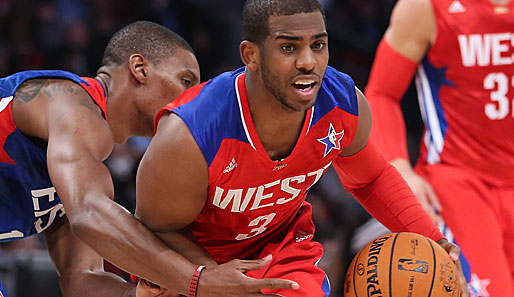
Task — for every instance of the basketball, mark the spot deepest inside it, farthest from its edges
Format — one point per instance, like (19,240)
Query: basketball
(402,264)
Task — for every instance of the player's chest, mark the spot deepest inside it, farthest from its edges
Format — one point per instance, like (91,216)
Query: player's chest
(244,179)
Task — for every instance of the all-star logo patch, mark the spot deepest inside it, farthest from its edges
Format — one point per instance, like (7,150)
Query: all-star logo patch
(332,140)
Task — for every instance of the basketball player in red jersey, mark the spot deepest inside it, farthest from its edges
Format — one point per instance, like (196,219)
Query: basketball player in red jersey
(234,158)
(463,52)
(57,128)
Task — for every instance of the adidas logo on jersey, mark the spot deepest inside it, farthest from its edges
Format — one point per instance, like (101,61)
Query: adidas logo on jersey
(302,235)
(456,7)
(231,166)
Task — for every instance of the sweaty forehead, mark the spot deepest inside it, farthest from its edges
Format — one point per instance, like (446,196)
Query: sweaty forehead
(311,23)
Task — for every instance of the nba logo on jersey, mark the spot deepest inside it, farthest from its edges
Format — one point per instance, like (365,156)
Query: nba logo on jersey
(332,140)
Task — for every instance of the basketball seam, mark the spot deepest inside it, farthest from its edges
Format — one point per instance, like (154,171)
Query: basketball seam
(354,267)
(435,268)
(391,265)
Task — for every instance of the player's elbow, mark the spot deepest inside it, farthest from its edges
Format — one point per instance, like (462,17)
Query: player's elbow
(86,222)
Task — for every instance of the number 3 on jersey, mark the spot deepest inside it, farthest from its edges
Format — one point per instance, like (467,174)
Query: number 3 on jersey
(258,230)
(500,109)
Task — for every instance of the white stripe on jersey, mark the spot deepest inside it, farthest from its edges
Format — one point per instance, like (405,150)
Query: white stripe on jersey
(434,139)
(241,112)
(4,102)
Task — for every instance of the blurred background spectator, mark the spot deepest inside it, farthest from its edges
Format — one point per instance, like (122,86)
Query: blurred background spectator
(71,34)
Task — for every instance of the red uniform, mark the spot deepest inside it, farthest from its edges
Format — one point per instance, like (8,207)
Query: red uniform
(255,205)
(466,91)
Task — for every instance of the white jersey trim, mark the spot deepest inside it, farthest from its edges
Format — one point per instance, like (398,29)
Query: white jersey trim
(4,102)
(241,112)
(434,140)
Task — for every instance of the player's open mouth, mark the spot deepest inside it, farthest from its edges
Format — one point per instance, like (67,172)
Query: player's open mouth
(304,85)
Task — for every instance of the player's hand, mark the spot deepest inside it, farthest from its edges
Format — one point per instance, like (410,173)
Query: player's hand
(421,188)
(147,289)
(454,252)
(228,280)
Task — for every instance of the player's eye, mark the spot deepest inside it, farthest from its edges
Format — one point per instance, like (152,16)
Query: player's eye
(287,48)
(318,45)
(187,82)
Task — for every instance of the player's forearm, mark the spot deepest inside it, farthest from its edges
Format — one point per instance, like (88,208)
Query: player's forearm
(95,284)
(390,200)
(184,243)
(383,192)
(117,236)
(390,77)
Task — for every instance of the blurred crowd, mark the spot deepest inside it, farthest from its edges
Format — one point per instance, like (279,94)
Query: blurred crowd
(71,35)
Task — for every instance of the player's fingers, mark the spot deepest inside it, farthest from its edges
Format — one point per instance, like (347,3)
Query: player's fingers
(424,201)
(452,249)
(155,289)
(275,283)
(463,282)
(432,198)
(247,265)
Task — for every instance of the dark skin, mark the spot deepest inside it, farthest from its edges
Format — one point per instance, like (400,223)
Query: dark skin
(283,77)
(61,113)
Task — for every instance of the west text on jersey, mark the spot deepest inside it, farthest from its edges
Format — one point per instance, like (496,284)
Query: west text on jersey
(487,49)
(282,190)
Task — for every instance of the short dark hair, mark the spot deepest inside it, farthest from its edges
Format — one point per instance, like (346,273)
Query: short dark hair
(149,39)
(256,15)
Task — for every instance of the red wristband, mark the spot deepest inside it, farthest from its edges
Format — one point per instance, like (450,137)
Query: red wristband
(193,286)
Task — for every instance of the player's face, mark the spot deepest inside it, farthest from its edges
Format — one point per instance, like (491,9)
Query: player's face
(171,77)
(294,58)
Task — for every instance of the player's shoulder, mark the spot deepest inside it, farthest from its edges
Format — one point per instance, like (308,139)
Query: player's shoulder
(338,88)
(408,12)
(9,84)
(210,98)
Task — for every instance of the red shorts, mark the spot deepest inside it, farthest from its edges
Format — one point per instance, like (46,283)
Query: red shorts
(481,218)
(295,258)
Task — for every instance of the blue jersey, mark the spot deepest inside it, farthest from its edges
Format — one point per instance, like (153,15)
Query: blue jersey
(28,201)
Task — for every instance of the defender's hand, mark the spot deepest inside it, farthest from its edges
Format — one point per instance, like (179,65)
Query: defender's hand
(228,280)
(454,252)
(147,289)
(421,188)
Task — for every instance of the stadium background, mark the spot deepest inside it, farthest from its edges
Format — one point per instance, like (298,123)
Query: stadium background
(71,35)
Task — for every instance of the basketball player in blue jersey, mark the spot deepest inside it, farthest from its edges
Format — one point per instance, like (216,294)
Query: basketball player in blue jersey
(56,130)
(235,157)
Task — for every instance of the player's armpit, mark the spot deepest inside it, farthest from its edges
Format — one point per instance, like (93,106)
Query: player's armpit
(172,178)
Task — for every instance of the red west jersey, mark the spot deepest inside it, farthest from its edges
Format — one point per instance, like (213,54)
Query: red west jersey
(252,199)
(466,89)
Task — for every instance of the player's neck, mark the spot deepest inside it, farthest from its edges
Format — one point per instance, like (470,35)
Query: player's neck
(277,126)
(105,80)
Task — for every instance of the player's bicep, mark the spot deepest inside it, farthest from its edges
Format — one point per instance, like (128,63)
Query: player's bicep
(363,127)
(412,28)
(78,143)
(172,178)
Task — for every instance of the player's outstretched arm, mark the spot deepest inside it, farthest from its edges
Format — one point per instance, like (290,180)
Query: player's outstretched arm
(81,271)
(377,184)
(379,187)
(79,140)
(411,31)
(172,184)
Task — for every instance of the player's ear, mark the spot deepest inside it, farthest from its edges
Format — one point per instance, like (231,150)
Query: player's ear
(250,56)
(138,66)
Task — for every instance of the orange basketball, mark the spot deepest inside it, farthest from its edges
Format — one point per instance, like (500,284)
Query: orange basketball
(402,264)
